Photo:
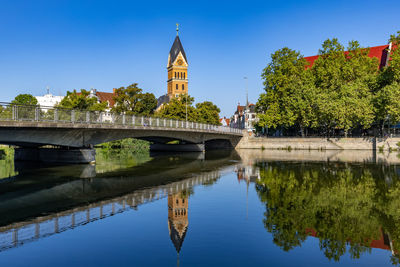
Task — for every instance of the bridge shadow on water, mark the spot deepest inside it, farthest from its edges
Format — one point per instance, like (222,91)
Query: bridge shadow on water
(45,199)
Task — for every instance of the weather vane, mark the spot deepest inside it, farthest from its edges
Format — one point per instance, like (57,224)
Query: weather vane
(177,28)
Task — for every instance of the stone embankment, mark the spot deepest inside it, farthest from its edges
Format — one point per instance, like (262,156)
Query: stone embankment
(319,143)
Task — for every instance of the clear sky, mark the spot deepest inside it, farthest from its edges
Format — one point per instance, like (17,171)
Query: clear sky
(70,45)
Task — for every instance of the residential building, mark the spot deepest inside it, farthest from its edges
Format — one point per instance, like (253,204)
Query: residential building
(244,117)
(224,121)
(48,100)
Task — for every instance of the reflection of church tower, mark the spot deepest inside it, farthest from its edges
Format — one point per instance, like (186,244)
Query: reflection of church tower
(177,218)
(177,67)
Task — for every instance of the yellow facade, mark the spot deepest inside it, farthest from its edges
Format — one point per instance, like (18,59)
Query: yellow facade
(177,68)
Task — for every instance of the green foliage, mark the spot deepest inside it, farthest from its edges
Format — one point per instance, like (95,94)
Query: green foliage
(344,89)
(345,206)
(205,112)
(133,144)
(25,99)
(132,101)
(82,101)
(177,107)
(7,168)
(289,96)
(26,106)
(387,102)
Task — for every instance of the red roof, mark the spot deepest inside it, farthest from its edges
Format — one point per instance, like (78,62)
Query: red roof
(380,52)
(226,120)
(104,97)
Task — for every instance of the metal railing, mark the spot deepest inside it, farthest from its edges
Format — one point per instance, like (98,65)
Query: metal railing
(12,112)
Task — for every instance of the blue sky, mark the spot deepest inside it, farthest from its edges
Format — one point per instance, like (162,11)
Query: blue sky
(70,45)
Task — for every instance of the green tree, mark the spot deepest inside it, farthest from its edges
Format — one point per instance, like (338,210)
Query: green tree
(290,97)
(81,101)
(207,112)
(132,101)
(387,103)
(177,109)
(391,73)
(345,83)
(345,206)
(25,105)
(146,105)
(25,99)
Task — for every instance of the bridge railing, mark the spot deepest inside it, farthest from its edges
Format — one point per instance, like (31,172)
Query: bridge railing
(12,112)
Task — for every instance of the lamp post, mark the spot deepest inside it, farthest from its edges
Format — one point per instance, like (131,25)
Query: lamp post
(247,103)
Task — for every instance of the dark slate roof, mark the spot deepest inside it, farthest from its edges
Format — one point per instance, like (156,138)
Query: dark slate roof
(176,239)
(175,49)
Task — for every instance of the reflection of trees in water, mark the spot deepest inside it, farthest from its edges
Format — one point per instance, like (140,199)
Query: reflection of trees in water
(7,168)
(340,204)
(108,159)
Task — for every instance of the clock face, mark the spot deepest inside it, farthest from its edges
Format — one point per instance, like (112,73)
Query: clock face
(180,61)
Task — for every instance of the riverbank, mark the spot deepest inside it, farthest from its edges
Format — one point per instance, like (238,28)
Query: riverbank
(319,143)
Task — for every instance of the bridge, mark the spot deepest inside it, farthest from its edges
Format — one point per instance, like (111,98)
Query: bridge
(76,132)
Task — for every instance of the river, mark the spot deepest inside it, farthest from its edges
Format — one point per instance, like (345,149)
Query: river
(224,208)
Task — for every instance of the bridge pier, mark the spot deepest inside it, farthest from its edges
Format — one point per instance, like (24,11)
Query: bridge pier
(55,155)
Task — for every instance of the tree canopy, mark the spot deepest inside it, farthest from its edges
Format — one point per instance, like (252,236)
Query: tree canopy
(82,101)
(345,206)
(132,101)
(344,89)
(25,99)
(178,107)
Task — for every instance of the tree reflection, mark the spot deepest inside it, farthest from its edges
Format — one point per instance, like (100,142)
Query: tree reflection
(349,208)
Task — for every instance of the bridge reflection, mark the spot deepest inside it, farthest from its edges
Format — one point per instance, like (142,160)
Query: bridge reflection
(22,232)
(17,230)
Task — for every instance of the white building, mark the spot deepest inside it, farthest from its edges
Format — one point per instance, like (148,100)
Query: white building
(48,100)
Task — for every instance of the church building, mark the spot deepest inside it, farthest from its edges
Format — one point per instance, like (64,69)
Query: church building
(177,69)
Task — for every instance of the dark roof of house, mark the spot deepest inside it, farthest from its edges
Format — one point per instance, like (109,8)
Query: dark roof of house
(175,49)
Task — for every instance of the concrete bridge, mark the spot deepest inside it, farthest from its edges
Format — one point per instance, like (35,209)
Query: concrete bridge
(75,132)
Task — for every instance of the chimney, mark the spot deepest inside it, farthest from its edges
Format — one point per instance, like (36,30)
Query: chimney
(114,89)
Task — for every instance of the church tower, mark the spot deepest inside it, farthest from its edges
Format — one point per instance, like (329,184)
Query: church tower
(178,218)
(177,82)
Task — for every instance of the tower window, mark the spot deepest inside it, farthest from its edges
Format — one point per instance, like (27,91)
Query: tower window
(175,75)
(183,87)
(184,75)
(176,87)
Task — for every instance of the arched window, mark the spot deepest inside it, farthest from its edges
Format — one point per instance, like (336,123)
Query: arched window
(175,75)
(176,87)
(183,200)
(177,201)
(183,87)
(184,75)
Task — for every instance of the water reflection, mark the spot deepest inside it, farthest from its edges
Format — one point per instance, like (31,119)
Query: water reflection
(350,207)
(178,222)
(349,203)
(47,200)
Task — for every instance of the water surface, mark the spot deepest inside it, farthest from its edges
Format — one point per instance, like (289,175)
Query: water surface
(261,208)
